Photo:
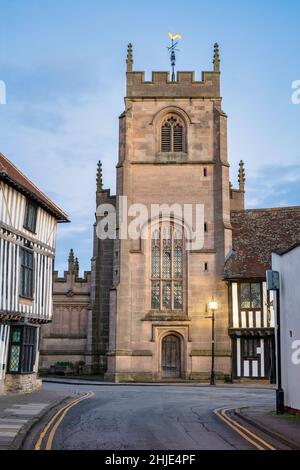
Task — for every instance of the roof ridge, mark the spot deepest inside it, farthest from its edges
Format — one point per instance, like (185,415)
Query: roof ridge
(268,209)
(38,190)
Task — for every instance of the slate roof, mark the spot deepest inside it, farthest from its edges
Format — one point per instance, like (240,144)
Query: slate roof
(256,233)
(14,177)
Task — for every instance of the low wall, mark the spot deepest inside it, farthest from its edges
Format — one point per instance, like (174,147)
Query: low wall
(21,383)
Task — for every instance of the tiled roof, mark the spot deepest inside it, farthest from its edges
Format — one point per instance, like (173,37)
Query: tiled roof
(258,232)
(13,176)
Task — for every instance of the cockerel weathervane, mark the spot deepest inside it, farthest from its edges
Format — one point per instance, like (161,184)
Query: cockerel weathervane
(172,49)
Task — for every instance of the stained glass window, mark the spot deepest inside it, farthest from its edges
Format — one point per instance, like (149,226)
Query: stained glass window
(155,300)
(167,295)
(156,254)
(178,295)
(166,259)
(177,254)
(167,268)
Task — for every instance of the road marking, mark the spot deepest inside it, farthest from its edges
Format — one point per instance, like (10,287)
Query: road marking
(236,423)
(257,441)
(59,416)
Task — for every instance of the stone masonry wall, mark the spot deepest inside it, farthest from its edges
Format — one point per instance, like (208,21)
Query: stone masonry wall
(65,338)
(197,176)
(21,383)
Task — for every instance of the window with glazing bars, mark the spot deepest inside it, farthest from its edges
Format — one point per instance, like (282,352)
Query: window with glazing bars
(172,135)
(30,216)
(22,349)
(167,268)
(26,274)
(250,295)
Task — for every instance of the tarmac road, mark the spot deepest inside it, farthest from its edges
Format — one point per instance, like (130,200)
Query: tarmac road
(168,417)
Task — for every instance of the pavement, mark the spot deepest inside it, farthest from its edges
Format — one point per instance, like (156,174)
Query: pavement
(97,380)
(19,412)
(284,428)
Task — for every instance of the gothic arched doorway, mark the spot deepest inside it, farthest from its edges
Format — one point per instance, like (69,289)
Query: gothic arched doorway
(171,356)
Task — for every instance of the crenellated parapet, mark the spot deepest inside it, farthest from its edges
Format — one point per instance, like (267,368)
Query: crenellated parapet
(71,276)
(161,85)
(64,278)
(185,85)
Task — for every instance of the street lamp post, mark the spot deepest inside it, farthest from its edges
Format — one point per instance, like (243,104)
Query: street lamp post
(213,305)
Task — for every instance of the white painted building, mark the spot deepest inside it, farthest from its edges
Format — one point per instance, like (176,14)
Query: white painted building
(28,222)
(287,263)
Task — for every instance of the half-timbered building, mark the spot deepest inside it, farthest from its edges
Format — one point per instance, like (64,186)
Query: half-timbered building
(256,233)
(28,223)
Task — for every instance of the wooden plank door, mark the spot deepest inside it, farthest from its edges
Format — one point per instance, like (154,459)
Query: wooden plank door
(171,356)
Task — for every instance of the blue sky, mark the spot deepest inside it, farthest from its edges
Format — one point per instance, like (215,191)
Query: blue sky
(63,62)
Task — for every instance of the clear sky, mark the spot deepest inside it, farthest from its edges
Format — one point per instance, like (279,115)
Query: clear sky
(63,62)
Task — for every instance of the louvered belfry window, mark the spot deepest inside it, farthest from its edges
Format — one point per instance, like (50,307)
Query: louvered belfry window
(172,135)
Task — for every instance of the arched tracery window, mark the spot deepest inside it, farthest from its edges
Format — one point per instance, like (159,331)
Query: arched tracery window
(167,268)
(173,137)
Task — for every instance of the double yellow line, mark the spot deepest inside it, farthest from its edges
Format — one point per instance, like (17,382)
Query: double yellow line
(250,436)
(46,437)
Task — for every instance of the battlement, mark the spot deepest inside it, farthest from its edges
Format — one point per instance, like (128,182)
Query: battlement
(161,85)
(71,276)
(67,275)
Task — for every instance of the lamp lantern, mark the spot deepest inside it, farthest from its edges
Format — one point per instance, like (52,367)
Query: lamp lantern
(213,305)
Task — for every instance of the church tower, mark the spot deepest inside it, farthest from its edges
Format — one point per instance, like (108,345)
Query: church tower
(172,150)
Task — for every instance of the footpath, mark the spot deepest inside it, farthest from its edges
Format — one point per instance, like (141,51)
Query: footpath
(98,380)
(285,427)
(19,412)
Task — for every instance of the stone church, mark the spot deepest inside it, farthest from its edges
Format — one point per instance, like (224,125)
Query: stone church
(142,313)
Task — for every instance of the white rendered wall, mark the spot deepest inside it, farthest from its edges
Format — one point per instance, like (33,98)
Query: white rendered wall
(288,266)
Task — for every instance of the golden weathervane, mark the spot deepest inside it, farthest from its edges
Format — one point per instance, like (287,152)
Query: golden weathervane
(172,49)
